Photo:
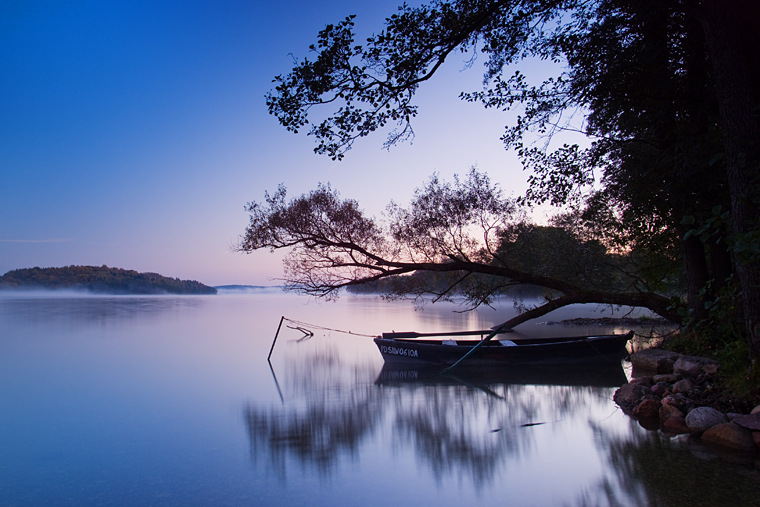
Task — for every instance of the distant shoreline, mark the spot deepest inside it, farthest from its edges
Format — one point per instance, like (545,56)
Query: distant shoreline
(100,280)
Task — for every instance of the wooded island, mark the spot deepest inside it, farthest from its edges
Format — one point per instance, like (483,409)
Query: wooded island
(102,280)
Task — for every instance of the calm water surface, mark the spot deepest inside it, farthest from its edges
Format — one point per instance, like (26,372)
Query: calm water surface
(170,401)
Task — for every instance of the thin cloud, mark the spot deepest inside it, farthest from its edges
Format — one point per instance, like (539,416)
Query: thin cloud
(61,240)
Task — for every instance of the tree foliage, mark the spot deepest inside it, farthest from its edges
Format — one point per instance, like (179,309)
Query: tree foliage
(668,92)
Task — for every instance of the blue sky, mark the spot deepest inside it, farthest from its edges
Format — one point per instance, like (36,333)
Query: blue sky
(133,133)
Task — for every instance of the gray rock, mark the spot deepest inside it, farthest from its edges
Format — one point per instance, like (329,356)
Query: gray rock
(670,378)
(654,360)
(751,422)
(755,410)
(682,386)
(703,418)
(730,435)
(691,366)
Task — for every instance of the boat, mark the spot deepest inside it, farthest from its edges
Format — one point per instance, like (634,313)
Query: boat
(417,348)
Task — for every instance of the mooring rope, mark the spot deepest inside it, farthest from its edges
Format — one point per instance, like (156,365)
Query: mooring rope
(300,325)
(316,326)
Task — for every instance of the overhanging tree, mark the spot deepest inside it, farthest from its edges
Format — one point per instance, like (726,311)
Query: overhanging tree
(466,231)
(644,72)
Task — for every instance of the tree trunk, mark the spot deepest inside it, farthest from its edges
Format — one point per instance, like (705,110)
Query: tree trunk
(729,32)
(720,264)
(695,265)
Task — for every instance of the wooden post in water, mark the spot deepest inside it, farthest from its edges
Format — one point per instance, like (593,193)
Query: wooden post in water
(275,337)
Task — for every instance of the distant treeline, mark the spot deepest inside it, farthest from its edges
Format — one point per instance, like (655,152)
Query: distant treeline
(435,282)
(102,279)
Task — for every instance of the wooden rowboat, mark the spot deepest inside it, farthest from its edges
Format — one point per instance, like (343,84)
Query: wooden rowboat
(407,348)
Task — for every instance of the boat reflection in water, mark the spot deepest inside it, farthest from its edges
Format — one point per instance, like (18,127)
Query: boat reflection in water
(591,375)
(474,424)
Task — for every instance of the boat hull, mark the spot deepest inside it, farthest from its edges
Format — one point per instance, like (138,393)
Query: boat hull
(569,350)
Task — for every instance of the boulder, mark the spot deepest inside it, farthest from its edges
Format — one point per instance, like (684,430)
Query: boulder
(751,422)
(670,378)
(642,381)
(755,410)
(691,366)
(629,395)
(730,435)
(682,386)
(654,360)
(704,418)
(668,411)
(675,424)
(649,409)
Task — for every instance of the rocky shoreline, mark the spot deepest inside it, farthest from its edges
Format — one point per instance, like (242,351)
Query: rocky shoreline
(678,394)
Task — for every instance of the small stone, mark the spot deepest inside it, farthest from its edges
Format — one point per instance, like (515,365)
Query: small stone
(629,395)
(648,409)
(670,378)
(658,389)
(751,422)
(668,411)
(675,424)
(682,386)
(674,401)
(703,418)
(732,415)
(730,435)
(755,410)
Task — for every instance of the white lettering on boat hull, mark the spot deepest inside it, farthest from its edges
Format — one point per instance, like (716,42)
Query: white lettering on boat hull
(397,351)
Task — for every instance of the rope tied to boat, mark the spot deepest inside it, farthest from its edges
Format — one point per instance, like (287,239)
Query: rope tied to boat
(301,325)
(306,329)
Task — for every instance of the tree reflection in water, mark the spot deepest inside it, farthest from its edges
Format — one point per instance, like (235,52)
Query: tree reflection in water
(649,469)
(474,426)
(328,415)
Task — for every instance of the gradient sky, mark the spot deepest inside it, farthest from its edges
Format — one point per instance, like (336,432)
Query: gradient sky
(133,133)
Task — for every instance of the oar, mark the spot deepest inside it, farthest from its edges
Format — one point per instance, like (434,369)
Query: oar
(414,334)
(495,331)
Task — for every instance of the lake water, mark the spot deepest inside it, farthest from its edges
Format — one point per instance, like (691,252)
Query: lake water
(171,401)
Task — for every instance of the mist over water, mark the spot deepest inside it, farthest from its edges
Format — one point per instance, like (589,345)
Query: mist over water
(169,400)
